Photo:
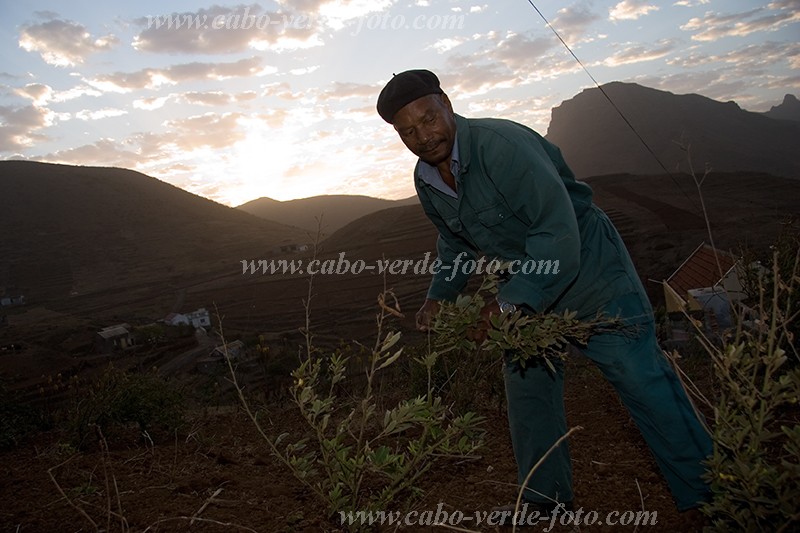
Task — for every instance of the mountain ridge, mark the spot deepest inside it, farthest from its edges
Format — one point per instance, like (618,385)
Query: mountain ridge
(75,229)
(331,212)
(789,109)
(595,140)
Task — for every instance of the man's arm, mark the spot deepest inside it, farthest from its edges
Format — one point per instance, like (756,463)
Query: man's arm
(451,277)
(448,281)
(452,250)
(426,313)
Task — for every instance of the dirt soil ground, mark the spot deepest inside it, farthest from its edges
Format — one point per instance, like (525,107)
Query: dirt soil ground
(218,471)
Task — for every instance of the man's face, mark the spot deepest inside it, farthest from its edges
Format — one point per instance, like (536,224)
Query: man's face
(427,127)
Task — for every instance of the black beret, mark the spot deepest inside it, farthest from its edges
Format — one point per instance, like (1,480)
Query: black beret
(403,89)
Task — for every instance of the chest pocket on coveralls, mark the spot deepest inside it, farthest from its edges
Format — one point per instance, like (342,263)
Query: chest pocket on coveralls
(498,229)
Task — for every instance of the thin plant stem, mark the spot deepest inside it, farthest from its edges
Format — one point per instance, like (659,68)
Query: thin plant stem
(246,405)
(550,450)
(64,495)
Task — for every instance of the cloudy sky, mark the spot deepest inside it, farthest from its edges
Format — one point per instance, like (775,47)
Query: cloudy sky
(235,101)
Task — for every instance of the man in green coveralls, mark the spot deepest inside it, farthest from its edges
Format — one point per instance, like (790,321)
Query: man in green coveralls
(497,187)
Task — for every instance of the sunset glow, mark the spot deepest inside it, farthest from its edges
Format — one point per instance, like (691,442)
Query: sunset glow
(278,99)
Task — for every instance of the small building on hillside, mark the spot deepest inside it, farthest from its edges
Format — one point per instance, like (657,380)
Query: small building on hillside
(176,319)
(233,348)
(215,363)
(199,318)
(707,282)
(293,248)
(9,300)
(114,339)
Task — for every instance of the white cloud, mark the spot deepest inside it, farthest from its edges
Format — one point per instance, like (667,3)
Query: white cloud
(216,30)
(231,29)
(447,44)
(97,114)
(507,61)
(150,78)
(41,94)
(19,126)
(338,13)
(38,93)
(573,22)
(691,3)
(149,104)
(762,55)
(339,91)
(75,92)
(62,43)
(104,152)
(211,130)
(206,99)
(714,26)
(303,70)
(631,10)
(210,98)
(638,53)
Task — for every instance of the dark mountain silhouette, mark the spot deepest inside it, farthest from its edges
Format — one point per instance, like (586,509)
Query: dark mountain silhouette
(789,109)
(69,229)
(659,218)
(335,210)
(385,232)
(595,140)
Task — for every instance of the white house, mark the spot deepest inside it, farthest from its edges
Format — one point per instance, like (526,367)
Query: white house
(199,318)
(176,319)
(706,281)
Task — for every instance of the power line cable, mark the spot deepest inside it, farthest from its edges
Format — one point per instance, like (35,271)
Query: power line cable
(617,109)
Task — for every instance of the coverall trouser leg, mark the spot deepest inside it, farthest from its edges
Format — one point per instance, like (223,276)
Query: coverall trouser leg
(653,395)
(535,398)
(656,400)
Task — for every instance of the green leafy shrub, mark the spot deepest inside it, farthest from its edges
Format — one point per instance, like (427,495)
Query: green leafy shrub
(468,366)
(760,274)
(755,468)
(355,458)
(17,419)
(118,400)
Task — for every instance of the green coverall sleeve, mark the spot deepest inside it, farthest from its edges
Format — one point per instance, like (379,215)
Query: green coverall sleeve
(527,176)
(448,281)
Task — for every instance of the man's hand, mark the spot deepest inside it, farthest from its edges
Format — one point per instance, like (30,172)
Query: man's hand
(479,332)
(426,313)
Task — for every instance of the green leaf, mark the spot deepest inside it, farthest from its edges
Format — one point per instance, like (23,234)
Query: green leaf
(390,340)
(390,360)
